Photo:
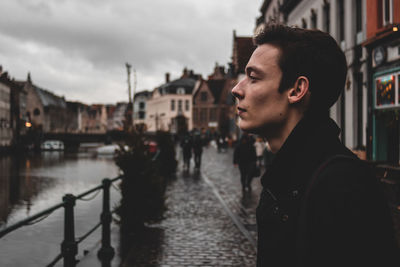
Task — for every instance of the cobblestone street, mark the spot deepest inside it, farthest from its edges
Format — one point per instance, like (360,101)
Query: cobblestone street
(208,222)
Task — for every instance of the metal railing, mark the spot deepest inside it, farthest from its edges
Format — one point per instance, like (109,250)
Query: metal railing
(69,246)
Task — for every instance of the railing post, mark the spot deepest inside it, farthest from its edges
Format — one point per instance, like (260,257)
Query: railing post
(106,252)
(69,247)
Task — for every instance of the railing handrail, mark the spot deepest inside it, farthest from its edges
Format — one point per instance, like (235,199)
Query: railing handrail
(70,244)
(42,213)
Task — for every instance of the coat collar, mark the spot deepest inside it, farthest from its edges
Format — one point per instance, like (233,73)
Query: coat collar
(304,149)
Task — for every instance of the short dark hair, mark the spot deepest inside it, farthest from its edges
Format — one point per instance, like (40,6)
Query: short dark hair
(311,53)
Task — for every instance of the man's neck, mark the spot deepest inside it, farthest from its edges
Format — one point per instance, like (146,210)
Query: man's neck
(277,140)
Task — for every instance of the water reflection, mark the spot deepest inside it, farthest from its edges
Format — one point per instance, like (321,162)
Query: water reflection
(31,183)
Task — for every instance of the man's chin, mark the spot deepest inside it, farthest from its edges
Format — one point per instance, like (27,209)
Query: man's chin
(247,128)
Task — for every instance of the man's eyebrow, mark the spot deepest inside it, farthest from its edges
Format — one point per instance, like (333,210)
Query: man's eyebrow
(253,69)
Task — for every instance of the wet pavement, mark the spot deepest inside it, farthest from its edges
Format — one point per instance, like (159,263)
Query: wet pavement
(209,221)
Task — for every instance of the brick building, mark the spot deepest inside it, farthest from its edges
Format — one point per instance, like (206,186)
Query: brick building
(211,102)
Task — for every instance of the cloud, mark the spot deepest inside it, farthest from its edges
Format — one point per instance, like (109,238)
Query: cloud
(76,45)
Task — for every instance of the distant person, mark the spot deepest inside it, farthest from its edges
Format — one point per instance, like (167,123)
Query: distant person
(268,156)
(197,150)
(187,146)
(220,143)
(320,206)
(245,157)
(260,147)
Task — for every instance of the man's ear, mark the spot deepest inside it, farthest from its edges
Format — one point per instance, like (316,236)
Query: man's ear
(300,91)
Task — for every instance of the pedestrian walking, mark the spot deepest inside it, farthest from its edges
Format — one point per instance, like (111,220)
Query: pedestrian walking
(197,150)
(260,147)
(245,157)
(187,146)
(320,204)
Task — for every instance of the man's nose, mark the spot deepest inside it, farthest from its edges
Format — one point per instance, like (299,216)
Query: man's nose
(237,91)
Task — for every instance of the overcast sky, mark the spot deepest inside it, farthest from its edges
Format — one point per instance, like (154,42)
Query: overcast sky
(78,48)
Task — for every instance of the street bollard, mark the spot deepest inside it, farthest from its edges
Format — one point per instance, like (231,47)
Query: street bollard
(106,252)
(69,247)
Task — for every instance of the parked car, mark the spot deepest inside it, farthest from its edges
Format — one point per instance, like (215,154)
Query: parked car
(52,145)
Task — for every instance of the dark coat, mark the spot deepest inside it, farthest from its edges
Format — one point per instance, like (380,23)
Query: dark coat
(347,222)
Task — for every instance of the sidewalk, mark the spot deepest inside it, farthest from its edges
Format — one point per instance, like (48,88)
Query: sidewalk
(208,222)
(197,230)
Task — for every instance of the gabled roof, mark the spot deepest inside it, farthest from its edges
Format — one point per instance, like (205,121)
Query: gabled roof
(49,99)
(171,87)
(144,93)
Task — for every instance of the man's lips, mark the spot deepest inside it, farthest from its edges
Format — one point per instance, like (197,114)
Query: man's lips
(240,110)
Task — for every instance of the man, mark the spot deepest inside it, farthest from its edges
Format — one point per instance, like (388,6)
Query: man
(187,146)
(197,149)
(320,205)
(245,157)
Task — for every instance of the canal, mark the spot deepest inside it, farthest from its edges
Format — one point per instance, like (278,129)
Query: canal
(34,182)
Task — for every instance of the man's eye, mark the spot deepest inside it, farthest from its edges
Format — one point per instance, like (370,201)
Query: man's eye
(252,78)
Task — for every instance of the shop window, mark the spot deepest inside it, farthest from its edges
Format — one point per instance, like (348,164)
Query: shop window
(385,91)
(398,88)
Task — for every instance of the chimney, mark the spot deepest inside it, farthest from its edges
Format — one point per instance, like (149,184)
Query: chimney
(167,77)
(1,69)
(29,78)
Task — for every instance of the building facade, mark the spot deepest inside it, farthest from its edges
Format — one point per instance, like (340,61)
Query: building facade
(46,111)
(383,50)
(5,111)
(212,100)
(170,106)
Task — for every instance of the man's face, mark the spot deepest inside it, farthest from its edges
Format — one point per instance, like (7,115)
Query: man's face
(261,108)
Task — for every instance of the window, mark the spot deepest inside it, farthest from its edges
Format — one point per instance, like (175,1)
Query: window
(303,23)
(36,112)
(180,91)
(142,115)
(187,106)
(195,117)
(358,16)
(203,115)
(213,114)
(387,11)
(327,16)
(385,91)
(142,105)
(179,105)
(341,19)
(313,19)
(203,96)
(172,105)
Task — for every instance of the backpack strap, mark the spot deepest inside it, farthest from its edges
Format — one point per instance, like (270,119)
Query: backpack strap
(302,242)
